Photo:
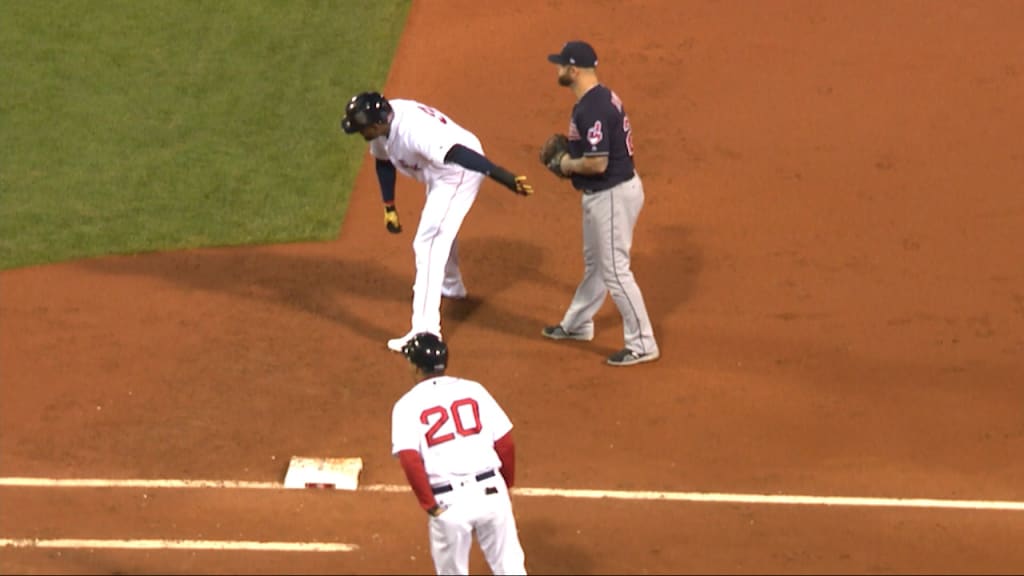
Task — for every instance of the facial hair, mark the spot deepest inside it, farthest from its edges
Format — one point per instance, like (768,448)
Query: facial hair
(564,80)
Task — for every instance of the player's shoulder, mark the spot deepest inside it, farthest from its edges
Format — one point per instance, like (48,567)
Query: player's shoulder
(409,115)
(431,385)
(461,386)
(401,102)
(407,104)
(607,95)
(477,390)
(441,385)
(466,382)
(400,106)
(407,399)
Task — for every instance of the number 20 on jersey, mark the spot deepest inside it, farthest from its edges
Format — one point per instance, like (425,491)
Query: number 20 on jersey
(460,413)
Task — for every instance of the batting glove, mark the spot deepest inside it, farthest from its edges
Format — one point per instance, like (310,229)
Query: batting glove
(391,220)
(523,188)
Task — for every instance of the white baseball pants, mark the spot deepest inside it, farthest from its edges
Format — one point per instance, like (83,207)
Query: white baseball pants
(437,260)
(480,507)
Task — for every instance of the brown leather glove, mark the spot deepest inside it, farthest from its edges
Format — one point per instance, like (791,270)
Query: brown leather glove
(556,146)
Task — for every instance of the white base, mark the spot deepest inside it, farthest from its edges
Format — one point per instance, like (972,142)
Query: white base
(328,473)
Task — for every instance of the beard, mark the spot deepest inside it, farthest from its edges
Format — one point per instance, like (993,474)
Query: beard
(565,80)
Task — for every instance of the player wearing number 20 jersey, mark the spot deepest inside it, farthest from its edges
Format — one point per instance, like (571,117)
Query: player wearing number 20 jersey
(453,423)
(455,445)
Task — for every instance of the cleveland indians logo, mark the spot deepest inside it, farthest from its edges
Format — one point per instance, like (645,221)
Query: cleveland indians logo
(594,135)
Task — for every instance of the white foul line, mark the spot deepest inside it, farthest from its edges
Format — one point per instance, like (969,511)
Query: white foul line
(780,499)
(716,497)
(713,497)
(179,545)
(135,483)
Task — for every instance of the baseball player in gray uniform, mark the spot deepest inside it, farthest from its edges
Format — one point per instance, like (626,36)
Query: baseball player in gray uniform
(598,158)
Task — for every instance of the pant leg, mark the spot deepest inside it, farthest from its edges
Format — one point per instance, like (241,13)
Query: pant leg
(451,536)
(591,291)
(453,287)
(625,202)
(446,207)
(499,537)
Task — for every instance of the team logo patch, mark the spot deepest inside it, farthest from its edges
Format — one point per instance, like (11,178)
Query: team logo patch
(594,135)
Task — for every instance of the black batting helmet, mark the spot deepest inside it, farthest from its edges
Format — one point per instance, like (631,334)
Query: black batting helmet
(427,352)
(365,109)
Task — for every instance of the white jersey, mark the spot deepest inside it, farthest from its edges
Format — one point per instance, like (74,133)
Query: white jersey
(453,423)
(418,141)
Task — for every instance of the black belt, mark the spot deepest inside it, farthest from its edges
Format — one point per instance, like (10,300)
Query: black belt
(448,487)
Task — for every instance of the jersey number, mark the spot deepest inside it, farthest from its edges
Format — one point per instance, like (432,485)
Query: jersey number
(433,113)
(457,412)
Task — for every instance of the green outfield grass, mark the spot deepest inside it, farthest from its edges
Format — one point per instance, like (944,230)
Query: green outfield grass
(140,125)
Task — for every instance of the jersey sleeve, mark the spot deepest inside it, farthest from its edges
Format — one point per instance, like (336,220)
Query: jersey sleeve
(496,422)
(594,123)
(404,430)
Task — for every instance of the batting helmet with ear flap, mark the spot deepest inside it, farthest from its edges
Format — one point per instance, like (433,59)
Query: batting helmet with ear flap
(427,352)
(364,110)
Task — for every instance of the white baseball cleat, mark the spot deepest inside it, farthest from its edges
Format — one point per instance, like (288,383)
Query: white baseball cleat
(395,344)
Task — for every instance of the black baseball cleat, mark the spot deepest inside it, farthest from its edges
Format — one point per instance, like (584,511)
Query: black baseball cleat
(559,333)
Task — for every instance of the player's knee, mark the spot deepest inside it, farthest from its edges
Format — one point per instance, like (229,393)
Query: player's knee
(615,279)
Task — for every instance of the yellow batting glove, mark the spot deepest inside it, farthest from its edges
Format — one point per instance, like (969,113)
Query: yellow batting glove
(523,187)
(391,220)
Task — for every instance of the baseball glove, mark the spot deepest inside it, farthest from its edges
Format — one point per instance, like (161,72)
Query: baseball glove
(556,146)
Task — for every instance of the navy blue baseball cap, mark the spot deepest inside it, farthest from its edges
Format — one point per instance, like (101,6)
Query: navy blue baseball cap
(575,53)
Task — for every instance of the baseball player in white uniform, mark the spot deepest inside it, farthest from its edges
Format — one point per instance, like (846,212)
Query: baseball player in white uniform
(421,142)
(454,443)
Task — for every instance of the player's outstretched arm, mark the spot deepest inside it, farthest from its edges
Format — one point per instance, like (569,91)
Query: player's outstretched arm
(472,160)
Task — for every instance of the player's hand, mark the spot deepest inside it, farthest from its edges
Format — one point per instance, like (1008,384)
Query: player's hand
(391,220)
(523,188)
(436,511)
(554,150)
